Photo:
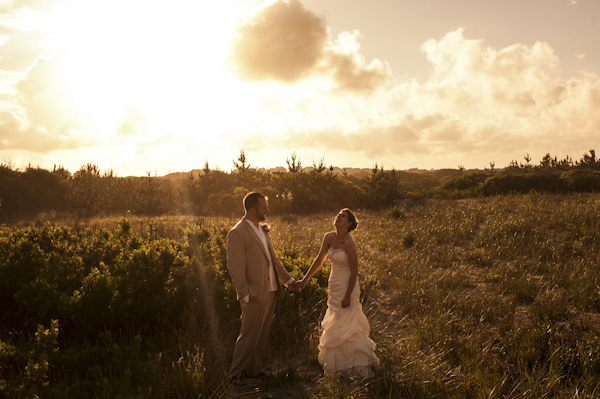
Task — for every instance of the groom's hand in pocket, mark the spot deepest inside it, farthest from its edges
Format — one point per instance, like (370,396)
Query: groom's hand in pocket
(244,301)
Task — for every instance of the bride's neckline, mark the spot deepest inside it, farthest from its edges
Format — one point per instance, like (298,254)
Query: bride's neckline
(340,241)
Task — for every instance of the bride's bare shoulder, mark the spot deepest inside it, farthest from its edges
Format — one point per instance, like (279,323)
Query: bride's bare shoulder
(327,241)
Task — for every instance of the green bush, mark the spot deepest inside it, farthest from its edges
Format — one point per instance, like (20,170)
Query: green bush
(468,181)
(97,284)
(581,180)
(522,183)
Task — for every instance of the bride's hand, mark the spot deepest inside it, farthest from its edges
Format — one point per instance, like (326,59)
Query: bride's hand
(345,302)
(301,285)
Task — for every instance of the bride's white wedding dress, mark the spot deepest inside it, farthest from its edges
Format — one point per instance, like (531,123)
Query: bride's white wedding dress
(344,344)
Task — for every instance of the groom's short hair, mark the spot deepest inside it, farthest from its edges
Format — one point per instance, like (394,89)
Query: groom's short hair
(251,200)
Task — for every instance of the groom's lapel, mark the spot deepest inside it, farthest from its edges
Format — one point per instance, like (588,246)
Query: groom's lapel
(257,238)
(269,241)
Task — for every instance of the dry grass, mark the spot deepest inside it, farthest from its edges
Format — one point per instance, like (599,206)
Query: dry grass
(484,298)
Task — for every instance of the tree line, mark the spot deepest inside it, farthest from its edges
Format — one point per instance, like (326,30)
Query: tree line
(550,175)
(90,192)
(297,190)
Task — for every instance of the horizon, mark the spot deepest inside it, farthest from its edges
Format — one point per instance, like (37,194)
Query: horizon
(285,167)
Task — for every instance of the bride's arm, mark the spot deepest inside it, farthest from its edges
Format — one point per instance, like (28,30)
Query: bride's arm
(318,262)
(353,263)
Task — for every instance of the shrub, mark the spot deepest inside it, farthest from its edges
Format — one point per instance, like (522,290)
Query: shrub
(523,183)
(468,181)
(581,180)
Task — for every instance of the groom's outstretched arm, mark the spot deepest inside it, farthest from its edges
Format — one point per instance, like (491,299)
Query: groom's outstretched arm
(282,274)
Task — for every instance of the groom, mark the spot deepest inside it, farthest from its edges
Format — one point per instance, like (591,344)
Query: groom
(257,275)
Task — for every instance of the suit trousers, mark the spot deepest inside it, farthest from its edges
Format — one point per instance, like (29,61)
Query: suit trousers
(249,354)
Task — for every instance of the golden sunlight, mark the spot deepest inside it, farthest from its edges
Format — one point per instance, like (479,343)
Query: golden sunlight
(141,63)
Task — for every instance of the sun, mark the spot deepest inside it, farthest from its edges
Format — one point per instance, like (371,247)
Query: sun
(162,60)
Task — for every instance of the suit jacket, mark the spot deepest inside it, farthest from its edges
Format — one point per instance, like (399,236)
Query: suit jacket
(248,263)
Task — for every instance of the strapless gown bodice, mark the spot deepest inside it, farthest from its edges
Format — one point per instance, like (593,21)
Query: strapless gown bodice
(344,344)
(339,278)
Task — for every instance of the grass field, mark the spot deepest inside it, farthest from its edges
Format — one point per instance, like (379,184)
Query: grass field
(482,298)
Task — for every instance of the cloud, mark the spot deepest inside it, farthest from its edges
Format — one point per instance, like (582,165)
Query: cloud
(14,135)
(284,41)
(520,84)
(349,68)
(10,127)
(51,118)
(507,100)
(518,78)
(577,111)
(281,41)
(10,5)
(46,96)
(479,103)
(19,49)
(22,35)
(412,134)
(134,123)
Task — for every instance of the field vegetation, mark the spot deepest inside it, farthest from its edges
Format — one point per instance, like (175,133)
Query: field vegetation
(480,297)
(297,190)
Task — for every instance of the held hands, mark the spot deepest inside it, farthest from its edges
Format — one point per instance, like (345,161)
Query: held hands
(297,286)
(293,286)
(301,285)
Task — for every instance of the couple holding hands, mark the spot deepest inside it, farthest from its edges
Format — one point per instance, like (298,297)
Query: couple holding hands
(258,276)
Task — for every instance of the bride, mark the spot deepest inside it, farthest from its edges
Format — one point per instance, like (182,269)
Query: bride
(344,345)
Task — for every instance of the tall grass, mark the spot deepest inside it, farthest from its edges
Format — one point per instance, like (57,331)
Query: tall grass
(483,298)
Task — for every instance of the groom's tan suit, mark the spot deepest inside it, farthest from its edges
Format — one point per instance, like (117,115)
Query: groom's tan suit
(249,265)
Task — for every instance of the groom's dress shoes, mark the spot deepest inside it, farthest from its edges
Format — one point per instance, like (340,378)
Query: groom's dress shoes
(239,380)
(260,374)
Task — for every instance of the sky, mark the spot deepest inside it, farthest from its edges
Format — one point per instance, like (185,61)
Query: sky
(145,86)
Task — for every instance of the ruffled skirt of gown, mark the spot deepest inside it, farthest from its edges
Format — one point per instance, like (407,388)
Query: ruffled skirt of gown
(344,344)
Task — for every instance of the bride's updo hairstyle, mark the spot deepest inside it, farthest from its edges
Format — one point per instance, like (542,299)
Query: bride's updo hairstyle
(351,219)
